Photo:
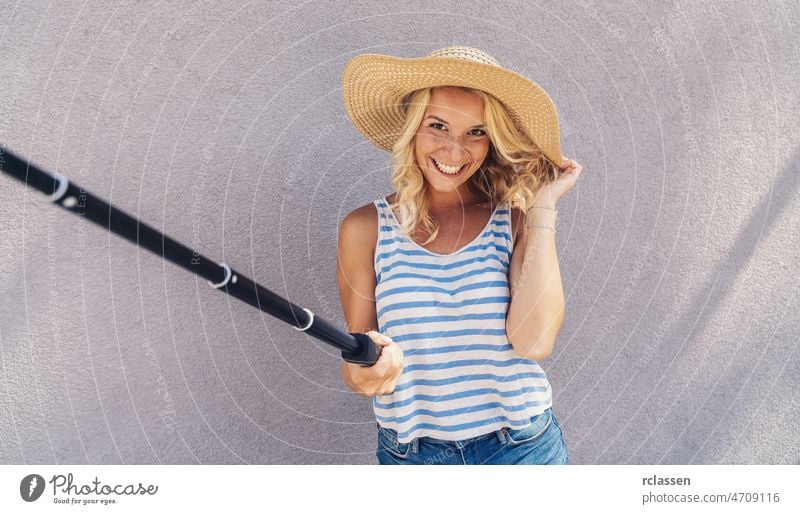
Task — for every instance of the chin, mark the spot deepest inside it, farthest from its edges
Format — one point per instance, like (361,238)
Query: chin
(444,185)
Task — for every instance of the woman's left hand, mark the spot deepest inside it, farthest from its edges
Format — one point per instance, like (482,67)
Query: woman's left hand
(566,178)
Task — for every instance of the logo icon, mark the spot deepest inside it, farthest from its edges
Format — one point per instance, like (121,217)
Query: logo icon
(31,487)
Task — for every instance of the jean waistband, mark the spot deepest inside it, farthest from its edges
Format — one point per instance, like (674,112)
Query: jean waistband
(500,433)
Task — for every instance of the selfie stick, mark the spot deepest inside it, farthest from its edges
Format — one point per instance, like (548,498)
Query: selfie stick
(355,347)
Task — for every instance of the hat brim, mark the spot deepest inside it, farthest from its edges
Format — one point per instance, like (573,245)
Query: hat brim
(374,86)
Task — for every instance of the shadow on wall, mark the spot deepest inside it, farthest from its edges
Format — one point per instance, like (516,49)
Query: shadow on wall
(706,303)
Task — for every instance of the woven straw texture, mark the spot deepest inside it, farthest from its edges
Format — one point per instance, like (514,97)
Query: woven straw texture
(374,85)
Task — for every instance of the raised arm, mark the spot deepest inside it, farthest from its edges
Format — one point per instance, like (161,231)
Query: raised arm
(536,312)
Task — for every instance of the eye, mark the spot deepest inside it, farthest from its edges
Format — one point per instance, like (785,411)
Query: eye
(480,132)
(435,124)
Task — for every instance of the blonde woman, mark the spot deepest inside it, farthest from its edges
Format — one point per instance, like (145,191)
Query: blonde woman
(455,274)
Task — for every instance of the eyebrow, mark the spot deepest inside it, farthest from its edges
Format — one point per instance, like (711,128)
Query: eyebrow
(443,121)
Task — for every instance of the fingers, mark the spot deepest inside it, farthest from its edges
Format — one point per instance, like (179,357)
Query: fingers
(379,338)
(388,361)
(397,358)
(391,369)
(569,164)
(384,374)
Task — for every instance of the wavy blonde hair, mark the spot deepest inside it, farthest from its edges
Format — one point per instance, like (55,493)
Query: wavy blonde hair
(514,168)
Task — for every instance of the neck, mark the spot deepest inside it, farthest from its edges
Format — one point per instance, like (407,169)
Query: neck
(444,201)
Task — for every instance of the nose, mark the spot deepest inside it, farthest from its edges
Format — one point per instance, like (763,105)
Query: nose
(455,149)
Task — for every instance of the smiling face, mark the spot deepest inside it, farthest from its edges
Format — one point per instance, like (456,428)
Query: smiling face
(451,142)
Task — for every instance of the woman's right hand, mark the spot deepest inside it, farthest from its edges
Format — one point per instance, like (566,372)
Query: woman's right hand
(381,377)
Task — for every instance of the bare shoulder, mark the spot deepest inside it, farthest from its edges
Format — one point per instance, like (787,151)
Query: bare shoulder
(361,226)
(365,216)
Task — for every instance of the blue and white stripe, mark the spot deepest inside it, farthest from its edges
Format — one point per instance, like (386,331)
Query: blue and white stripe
(447,312)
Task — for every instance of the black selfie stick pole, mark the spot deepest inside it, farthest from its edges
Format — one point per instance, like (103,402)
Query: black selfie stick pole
(355,347)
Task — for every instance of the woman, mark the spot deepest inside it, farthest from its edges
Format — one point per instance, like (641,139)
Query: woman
(456,274)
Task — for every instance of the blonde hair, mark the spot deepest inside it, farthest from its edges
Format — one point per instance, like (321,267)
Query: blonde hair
(514,168)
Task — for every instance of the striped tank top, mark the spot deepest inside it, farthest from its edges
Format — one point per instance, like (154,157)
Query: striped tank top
(447,312)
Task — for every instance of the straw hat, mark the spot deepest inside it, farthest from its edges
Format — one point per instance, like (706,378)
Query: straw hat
(374,86)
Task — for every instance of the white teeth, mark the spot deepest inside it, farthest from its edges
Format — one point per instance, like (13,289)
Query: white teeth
(444,168)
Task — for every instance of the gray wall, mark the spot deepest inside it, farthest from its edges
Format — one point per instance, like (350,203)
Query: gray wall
(222,124)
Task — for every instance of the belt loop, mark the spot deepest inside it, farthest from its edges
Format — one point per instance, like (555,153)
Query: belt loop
(501,435)
(415,445)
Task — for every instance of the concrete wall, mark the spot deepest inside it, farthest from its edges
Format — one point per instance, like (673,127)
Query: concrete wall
(222,124)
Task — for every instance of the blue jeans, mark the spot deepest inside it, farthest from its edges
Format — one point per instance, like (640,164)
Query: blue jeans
(542,442)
